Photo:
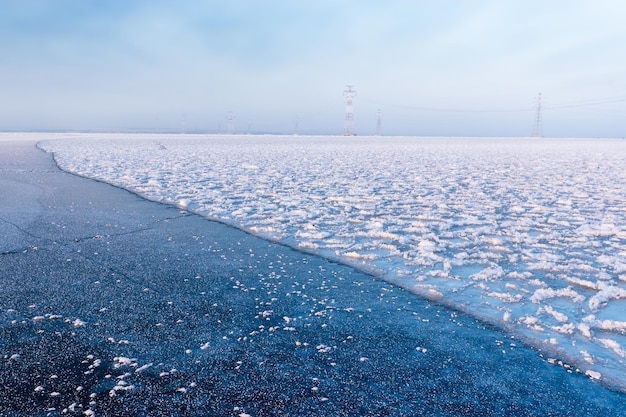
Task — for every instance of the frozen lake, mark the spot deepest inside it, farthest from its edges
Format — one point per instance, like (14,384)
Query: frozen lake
(528,234)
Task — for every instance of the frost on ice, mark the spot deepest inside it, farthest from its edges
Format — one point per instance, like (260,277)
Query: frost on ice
(526,233)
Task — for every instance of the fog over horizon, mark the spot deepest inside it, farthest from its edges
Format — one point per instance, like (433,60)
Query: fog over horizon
(432,69)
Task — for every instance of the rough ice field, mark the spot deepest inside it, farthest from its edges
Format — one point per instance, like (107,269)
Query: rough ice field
(529,234)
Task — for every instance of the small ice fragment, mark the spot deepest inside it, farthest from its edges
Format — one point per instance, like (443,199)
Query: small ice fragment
(593,374)
(78,323)
(323,348)
(612,345)
(123,361)
(143,368)
(587,357)
(584,330)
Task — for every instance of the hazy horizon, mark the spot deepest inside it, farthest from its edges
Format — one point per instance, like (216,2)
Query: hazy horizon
(433,69)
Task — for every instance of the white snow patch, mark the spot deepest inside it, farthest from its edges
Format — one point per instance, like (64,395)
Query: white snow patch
(593,374)
(542,294)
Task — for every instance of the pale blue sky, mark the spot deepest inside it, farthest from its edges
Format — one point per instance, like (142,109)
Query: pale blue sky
(434,67)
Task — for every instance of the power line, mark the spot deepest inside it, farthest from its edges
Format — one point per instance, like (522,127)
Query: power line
(589,103)
(450,110)
(584,103)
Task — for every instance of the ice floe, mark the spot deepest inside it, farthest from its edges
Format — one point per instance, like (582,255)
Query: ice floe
(526,233)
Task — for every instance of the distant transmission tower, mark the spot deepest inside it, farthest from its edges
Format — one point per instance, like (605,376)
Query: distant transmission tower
(230,119)
(297,126)
(348,128)
(379,123)
(538,126)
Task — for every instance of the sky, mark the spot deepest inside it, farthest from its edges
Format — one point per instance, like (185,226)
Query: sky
(432,68)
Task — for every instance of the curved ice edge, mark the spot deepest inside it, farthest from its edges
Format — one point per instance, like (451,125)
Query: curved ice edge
(549,353)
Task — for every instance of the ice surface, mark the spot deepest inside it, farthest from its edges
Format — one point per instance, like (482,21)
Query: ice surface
(529,234)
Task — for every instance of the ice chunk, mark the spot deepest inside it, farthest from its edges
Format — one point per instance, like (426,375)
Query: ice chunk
(606,293)
(542,294)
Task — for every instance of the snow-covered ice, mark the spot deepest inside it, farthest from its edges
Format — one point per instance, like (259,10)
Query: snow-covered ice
(529,234)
